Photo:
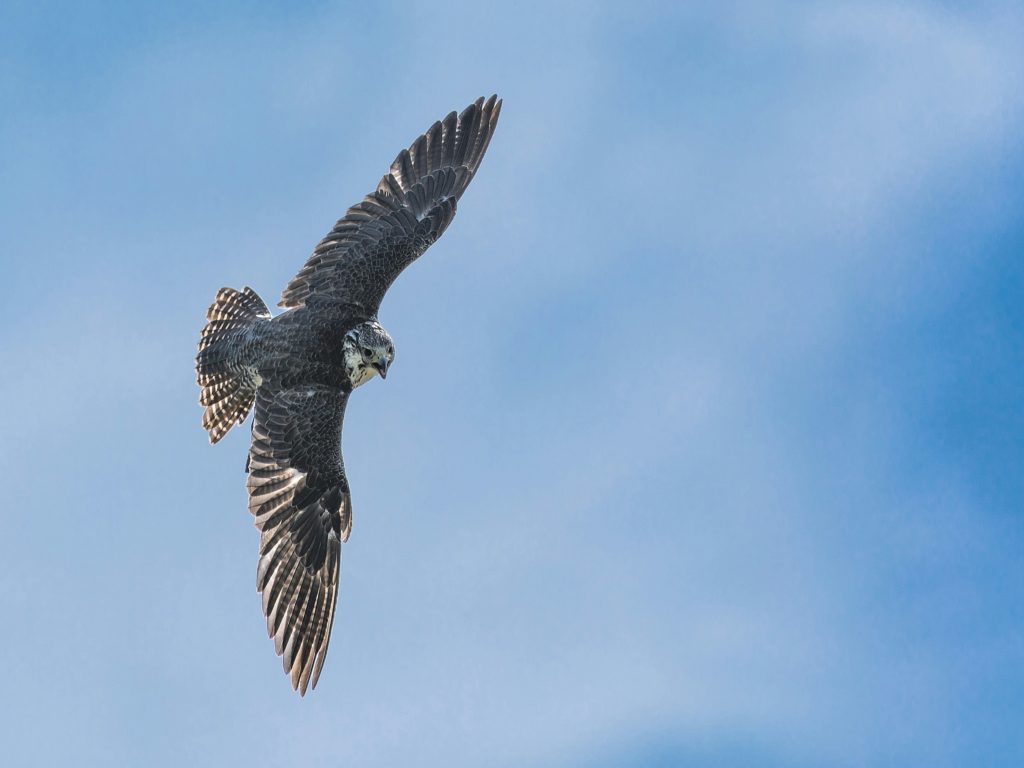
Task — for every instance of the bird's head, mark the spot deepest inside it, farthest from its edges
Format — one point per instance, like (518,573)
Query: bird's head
(368,350)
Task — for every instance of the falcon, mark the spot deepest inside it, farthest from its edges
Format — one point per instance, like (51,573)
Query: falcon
(300,367)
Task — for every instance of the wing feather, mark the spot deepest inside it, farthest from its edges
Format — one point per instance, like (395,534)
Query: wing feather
(299,498)
(410,209)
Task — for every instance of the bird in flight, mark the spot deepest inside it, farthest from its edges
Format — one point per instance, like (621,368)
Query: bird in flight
(300,367)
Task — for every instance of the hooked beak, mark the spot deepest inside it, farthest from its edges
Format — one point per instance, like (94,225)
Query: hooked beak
(382,368)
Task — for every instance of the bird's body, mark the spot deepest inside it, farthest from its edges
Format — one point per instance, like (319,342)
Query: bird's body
(300,367)
(300,345)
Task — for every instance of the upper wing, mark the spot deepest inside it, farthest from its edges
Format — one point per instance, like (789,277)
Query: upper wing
(410,209)
(300,497)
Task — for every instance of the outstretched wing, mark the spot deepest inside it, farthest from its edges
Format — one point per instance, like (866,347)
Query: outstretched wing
(410,209)
(299,496)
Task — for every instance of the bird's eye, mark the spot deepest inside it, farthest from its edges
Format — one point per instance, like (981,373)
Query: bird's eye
(367,353)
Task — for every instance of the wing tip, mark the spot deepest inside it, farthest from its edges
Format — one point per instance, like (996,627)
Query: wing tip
(464,139)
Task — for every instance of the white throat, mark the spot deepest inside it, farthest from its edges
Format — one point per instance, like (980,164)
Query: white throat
(357,369)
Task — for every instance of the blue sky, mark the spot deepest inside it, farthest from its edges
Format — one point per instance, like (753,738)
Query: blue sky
(703,443)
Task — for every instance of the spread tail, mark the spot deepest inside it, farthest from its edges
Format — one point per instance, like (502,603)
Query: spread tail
(226,367)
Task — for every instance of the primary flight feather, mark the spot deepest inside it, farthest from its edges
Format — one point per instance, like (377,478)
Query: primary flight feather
(300,367)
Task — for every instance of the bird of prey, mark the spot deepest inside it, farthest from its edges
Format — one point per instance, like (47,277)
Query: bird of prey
(300,367)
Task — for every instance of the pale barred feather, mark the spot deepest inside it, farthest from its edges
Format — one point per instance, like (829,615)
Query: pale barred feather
(228,384)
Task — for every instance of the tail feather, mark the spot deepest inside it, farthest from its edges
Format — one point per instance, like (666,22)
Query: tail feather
(225,371)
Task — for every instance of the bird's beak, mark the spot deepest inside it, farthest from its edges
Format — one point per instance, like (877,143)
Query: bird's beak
(382,368)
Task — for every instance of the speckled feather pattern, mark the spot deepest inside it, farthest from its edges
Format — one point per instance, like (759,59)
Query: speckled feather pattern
(293,368)
(412,206)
